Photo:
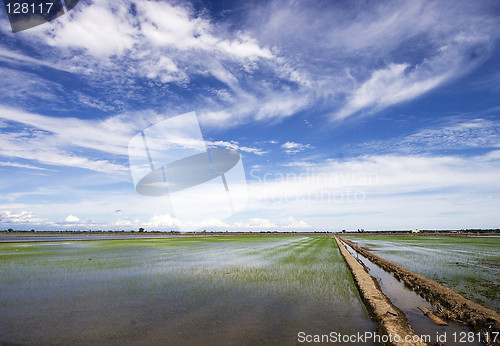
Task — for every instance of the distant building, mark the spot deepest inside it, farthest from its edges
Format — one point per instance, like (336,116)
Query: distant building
(415,231)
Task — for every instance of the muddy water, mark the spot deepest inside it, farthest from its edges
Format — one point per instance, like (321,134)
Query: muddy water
(468,265)
(408,301)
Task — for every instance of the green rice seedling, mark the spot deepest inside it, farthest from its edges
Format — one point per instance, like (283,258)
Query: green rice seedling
(468,265)
(237,289)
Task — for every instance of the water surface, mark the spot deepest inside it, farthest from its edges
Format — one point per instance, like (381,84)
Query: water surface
(203,290)
(468,265)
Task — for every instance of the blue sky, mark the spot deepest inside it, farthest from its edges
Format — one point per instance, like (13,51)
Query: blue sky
(347,114)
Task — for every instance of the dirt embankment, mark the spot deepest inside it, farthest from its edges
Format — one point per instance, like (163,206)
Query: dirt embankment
(450,305)
(391,321)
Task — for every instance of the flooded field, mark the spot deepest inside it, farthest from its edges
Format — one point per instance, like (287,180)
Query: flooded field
(409,302)
(468,265)
(204,290)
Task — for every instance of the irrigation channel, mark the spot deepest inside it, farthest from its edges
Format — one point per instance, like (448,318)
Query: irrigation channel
(419,313)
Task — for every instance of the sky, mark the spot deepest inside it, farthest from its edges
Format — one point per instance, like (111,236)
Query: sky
(375,115)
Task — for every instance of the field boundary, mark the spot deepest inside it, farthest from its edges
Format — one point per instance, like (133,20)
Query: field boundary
(450,305)
(390,320)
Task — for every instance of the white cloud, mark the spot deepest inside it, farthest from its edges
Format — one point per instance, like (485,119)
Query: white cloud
(60,141)
(172,44)
(376,188)
(387,87)
(235,146)
(164,220)
(245,47)
(284,57)
(211,222)
(167,221)
(368,57)
(72,219)
(102,29)
(292,223)
(110,135)
(372,191)
(261,223)
(72,142)
(265,105)
(44,149)
(475,133)
(21,165)
(10,218)
(454,134)
(161,41)
(15,57)
(21,88)
(293,147)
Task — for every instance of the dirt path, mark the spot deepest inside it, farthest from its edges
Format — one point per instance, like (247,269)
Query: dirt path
(450,305)
(391,321)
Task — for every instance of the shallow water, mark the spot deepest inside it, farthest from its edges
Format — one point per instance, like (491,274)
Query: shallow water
(230,290)
(468,265)
(408,301)
(41,236)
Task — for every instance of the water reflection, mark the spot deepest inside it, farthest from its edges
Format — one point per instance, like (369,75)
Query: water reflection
(260,290)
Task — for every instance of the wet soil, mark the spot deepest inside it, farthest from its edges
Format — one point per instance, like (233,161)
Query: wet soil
(450,305)
(390,320)
(412,304)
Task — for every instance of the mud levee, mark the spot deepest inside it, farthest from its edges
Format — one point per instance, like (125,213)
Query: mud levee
(391,321)
(451,305)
